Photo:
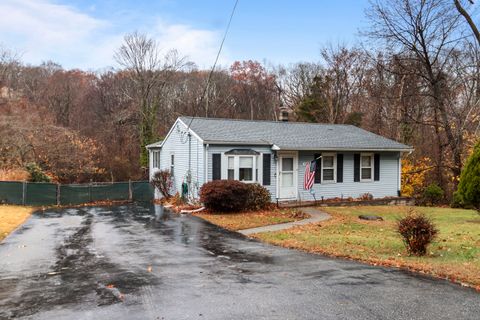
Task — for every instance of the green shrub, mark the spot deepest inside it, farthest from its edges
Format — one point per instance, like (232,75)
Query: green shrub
(468,192)
(36,173)
(224,195)
(258,197)
(417,231)
(433,194)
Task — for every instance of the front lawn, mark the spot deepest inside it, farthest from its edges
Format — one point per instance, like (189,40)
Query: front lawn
(252,219)
(454,255)
(11,217)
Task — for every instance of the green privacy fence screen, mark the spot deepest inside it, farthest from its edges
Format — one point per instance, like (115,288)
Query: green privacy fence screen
(29,193)
(11,192)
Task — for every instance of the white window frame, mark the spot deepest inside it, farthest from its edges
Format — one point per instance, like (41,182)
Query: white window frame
(233,158)
(372,163)
(236,167)
(172,164)
(334,155)
(156,159)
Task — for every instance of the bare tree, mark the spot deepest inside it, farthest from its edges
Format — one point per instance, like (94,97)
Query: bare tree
(149,71)
(468,18)
(426,32)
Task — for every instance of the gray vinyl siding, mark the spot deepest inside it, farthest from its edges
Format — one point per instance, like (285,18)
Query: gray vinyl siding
(178,145)
(385,187)
(262,149)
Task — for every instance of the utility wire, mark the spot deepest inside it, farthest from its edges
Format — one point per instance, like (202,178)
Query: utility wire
(214,64)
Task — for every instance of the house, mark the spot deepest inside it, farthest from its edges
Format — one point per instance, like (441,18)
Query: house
(350,161)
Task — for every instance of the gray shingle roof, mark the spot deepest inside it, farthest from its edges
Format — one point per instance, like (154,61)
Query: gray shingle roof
(154,145)
(290,135)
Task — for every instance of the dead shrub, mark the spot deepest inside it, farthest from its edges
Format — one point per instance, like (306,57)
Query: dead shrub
(162,180)
(14,175)
(417,231)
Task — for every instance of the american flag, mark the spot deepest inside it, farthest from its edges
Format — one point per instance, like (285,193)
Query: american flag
(309,176)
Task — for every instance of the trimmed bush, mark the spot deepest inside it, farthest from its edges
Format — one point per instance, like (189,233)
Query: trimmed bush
(36,173)
(417,231)
(258,197)
(468,192)
(433,194)
(162,180)
(224,195)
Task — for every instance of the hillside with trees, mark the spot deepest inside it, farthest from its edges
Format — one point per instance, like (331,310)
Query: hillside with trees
(414,77)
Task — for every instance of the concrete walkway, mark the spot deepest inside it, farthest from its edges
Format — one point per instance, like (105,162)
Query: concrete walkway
(316,215)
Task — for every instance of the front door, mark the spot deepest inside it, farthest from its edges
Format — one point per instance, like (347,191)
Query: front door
(288,168)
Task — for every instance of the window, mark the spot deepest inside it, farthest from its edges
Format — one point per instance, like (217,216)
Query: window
(156,159)
(231,168)
(328,167)
(241,167)
(245,172)
(366,167)
(172,164)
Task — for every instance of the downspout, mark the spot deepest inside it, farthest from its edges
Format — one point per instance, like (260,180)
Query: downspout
(189,173)
(205,176)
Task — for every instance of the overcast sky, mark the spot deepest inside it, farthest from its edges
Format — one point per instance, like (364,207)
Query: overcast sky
(85,33)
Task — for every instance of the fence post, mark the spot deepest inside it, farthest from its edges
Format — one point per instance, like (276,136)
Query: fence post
(90,192)
(130,191)
(58,194)
(24,192)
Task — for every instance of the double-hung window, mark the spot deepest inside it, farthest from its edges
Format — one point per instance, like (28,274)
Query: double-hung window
(366,167)
(156,159)
(231,168)
(328,168)
(172,164)
(245,169)
(241,168)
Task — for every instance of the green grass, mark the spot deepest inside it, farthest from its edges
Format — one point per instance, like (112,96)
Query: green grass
(455,254)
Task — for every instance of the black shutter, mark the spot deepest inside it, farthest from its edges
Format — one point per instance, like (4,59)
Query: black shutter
(339,167)
(376,167)
(267,162)
(318,169)
(356,167)
(216,166)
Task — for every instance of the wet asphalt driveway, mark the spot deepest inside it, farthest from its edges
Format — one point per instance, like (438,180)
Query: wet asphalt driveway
(131,262)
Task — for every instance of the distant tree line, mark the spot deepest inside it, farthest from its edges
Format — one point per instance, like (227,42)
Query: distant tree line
(414,77)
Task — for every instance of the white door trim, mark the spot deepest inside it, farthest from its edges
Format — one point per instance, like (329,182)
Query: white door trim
(293,154)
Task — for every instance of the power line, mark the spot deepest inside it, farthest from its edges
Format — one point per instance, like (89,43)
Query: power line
(214,64)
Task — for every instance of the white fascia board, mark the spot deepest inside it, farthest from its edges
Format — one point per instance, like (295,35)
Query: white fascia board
(246,143)
(169,132)
(191,131)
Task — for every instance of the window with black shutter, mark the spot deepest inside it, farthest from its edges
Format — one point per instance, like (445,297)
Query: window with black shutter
(339,167)
(267,158)
(318,169)
(216,166)
(356,167)
(376,167)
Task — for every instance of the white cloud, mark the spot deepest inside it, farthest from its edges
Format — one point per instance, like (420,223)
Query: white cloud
(41,30)
(200,46)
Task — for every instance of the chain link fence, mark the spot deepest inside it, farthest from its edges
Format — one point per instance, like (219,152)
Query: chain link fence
(33,193)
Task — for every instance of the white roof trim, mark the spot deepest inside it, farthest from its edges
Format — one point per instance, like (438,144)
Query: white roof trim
(191,131)
(170,132)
